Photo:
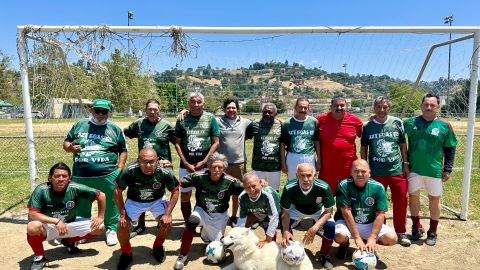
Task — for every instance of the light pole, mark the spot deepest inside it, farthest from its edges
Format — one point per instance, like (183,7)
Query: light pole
(129,17)
(448,20)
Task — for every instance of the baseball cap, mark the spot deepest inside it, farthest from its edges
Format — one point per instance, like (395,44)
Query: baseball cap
(102,103)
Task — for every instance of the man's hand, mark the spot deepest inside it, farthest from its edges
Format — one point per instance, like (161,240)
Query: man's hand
(190,168)
(263,183)
(166,219)
(445,176)
(262,243)
(74,147)
(287,236)
(406,170)
(181,115)
(61,227)
(371,244)
(165,163)
(200,165)
(310,235)
(123,221)
(97,223)
(360,244)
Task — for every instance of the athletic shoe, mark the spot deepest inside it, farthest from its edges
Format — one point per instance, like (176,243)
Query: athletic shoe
(111,236)
(159,254)
(232,221)
(325,261)
(403,240)
(255,225)
(431,238)
(71,248)
(38,263)
(137,230)
(295,224)
(320,232)
(342,251)
(124,262)
(180,263)
(82,241)
(417,233)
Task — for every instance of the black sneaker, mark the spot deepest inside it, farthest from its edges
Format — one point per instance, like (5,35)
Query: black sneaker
(417,233)
(431,238)
(255,225)
(325,261)
(232,221)
(124,262)
(71,248)
(342,251)
(159,254)
(38,263)
(137,230)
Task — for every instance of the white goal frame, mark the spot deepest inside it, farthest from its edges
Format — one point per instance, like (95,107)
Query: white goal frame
(469,30)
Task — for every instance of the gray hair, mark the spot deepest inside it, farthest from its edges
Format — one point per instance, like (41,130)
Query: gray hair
(249,175)
(270,105)
(337,98)
(217,156)
(382,99)
(308,164)
(195,94)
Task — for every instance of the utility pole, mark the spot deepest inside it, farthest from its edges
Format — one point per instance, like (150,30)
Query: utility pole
(129,17)
(448,20)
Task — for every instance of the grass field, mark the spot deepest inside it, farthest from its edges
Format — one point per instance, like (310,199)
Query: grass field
(14,187)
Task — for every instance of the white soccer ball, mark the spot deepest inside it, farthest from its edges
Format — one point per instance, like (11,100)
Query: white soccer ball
(215,252)
(294,253)
(364,260)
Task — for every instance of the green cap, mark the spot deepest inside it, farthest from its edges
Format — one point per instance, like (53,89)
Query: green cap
(102,103)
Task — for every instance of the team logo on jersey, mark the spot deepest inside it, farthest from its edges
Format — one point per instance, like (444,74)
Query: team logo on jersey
(435,131)
(194,143)
(70,204)
(157,185)
(300,144)
(384,148)
(369,201)
(204,125)
(221,194)
(318,200)
(267,148)
(159,134)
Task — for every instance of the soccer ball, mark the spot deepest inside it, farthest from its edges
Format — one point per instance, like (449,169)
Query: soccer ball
(215,252)
(364,260)
(294,253)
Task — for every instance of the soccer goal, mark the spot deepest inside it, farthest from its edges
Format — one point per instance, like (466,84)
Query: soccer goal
(63,68)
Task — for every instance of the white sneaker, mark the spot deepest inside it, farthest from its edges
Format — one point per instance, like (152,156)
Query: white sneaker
(403,240)
(111,236)
(180,263)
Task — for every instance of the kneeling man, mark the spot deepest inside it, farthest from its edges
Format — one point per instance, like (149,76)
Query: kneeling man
(52,213)
(146,182)
(361,207)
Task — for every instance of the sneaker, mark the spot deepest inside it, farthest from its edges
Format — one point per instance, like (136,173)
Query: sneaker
(320,232)
(71,248)
(325,261)
(137,230)
(295,224)
(38,263)
(342,251)
(255,225)
(431,238)
(111,236)
(124,262)
(180,263)
(232,221)
(159,254)
(82,241)
(403,240)
(417,233)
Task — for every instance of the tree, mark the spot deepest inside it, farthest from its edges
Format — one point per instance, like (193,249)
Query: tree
(281,107)
(9,87)
(405,98)
(172,97)
(459,101)
(251,106)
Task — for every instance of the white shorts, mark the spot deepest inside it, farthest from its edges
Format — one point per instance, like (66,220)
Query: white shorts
(182,173)
(79,227)
(294,159)
(364,229)
(298,216)
(433,186)
(135,209)
(273,178)
(213,224)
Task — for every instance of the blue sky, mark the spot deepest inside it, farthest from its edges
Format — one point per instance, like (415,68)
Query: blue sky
(245,13)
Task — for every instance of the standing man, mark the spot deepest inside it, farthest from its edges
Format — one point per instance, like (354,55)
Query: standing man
(99,154)
(52,214)
(196,139)
(266,134)
(361,207)
(259,204)
(299,140)
(146,182)
(338,131)
(431,151)
(383,141)
(232,144)
(308,197)
(213,191)
(156,132)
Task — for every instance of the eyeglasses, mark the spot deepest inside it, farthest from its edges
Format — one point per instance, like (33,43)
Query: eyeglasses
(148,162)
(100,111)
(267,112)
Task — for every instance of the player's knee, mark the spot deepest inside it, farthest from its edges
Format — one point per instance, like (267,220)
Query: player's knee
(389,239)
(34,228)
(341,238)
(192,223)
(329,229)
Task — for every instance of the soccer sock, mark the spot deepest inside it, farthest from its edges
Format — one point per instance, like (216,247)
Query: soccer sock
(187,238)
(416,221)
(141,220)
(35,242)
(158,242)
(127,249)
(72,240)
(186,208)
(326,245)
(433,225)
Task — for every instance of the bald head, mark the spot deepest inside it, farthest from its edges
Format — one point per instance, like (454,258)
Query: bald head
(147,159)
(305,175)
(360,172)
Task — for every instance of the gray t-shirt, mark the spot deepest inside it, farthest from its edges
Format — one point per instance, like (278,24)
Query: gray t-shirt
(232,139)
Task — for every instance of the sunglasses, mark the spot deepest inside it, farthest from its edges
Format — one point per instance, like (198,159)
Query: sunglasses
(100,111)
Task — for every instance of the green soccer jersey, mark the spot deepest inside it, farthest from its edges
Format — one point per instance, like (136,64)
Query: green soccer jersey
(425,144)
(365,202)
(383,141)
(146,188)
(267,203)
(266,145)
(60,205)
(298,136)
(307,202)
(196,134)
(101,145)
(212,197)
(156,135)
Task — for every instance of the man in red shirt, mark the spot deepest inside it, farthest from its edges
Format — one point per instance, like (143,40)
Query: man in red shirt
(338,131)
